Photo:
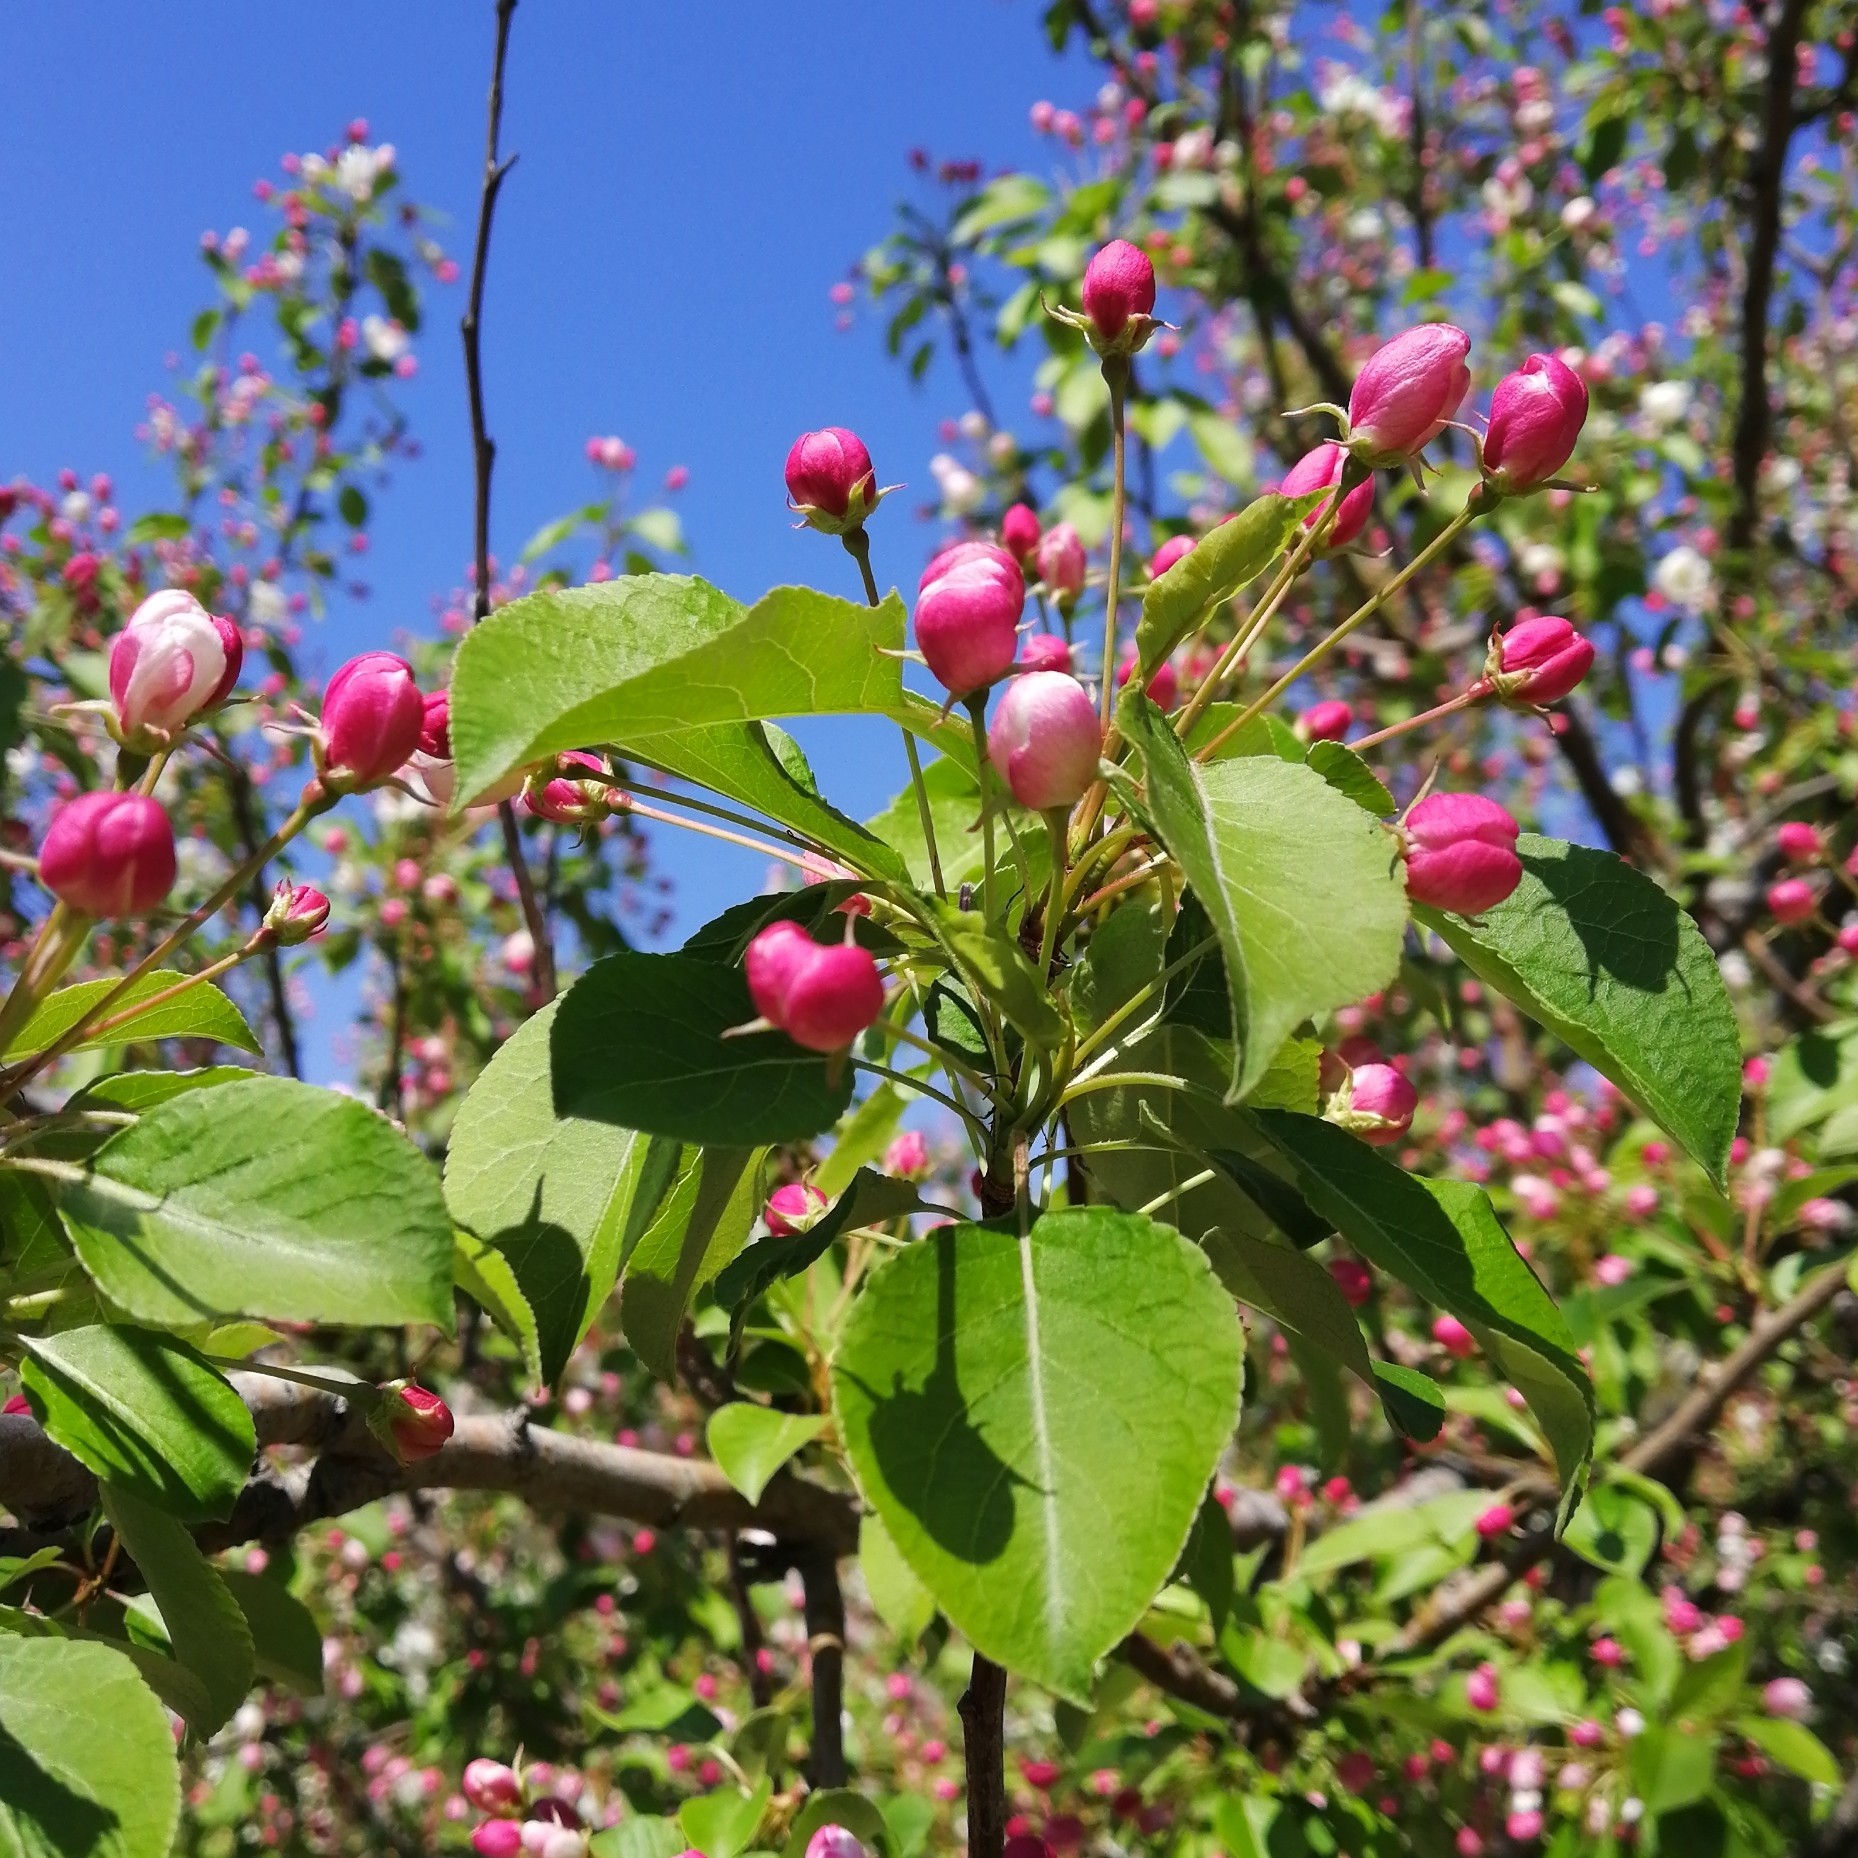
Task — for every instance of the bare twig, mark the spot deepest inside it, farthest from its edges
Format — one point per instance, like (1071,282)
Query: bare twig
(825,1638)
(983,1732)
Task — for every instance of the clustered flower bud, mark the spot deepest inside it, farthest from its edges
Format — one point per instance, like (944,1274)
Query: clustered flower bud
(967,615)
(1792,900)
(1119,296)
(830,481)
(1799,843)
(173,663)
(372,718)
(1460,853)
(297,912)
(412,1422)
(821,997)
(1538,661)
(492,1786)
(1044,651)
(1062,565)
(1407,391)
(794,1207)
(1045,740)
(1536,414)
(1318,470)
(109,854)
(1375,1102)
(1019,533)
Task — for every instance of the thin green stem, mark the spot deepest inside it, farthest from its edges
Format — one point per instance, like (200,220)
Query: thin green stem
(1463,701)
(904,1036)
(1057,821)
(185,984)
(977,716)
(1143,995)
(924,1088)
(1177,1191)
(1116,377)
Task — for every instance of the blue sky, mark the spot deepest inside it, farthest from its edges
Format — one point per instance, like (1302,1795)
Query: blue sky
(692,179)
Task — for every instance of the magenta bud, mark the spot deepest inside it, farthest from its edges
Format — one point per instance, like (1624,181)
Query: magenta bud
(1318,470)
(794,1208)
(173,662)
(967,615)
(1460,853)
(1799,843)
(1792,900)
(435,725)
(1171,551)
(908,1156)
(412,1422)
(1163,683)
(830,480)
(1019,532)
(821,997)
(297,912)
(1496,1521)
(1061,563)
(834,1842)
(1119,291)
(1328,721)
(558,793)
(1046,740)
(1376,1103)
(1536,414)
(1540,661)
(1452,1336)
(109,854)
(1481,1689)
(492,1786)
(1353,1279)
(497,1838)
(372,718)
(1407,391)
(1044,651)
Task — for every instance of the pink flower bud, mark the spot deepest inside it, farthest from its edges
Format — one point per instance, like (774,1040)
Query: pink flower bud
(372,718)
(1545,656)
(820,997)
(834,1842)
(1171,551)
(411,1422)
(1045,740)
(1536,414)
(1498,1520)
(1119,284)
(1481,1689)
(1587,1733)
(830,480)
(435,725)
(1786,1696)
(1407,391)
(1061,563)
(1792,900)
(1318,469)
(497,1838)
(1019,532)
(109,854)
(1164,684)
(1608,1653)
(1469,1843)
(1353,1279)
(491,1786)
(1799,843)
(1376,1103)
(564,797)
(1524,1825)
(1044,651)
(1452,1336)
(793,1208)
(297,912)
(908,1156)
(173,662)
(967,615)
(1328,721)
(17,1406)
(1460,853)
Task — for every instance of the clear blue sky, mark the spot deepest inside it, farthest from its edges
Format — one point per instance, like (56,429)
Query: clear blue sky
(692,180)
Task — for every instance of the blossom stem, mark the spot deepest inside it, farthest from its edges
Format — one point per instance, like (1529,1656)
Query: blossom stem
(630,803)
(1116,377)
(977,716)
(1056,832)
(1463,701)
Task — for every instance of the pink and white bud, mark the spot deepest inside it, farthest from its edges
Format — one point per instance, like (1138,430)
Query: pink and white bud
(1119,296)
(1792,900)
(1164,684)
(908,1156)
(372,718)
(492,1786)
(497,1838)
(109,854)
(834,1842)
(1061,563)
(830,481)
(172,663)
(563,794)
(1374,1102)
(1019,533)
(1318,470)
(1328,721)
(1409,388)
(1799,843)
(412,1422)
(821,997)
(1536,414)
(967,616)
(1174,549)
(1044,651)
(1540,661)
(1460,853)
(1788,1697)
(793,1208)
(297,913)
(1045,740)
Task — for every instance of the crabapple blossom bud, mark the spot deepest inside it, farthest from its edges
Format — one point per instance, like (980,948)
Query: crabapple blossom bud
(908,1156)
(1061,563)
(497,1838)
(372,718)
(1524,1825)
(1799,843)
(1538,661)
(1608,1653)
(830,481)
(492,1786)
(558,794)
(1374,1102)
(834,1842)
(435,724)
(1452,1336)
(412,1422)
(1481,1689)
(1019,532)
(1164,683)
(1119,295)
(1044,651)
(1045,740)
(1409,388)
(297,912)
(1786,1696)
(1536,414)
(820,997)
(1460,853)
(173,662)
(794,1208)
(1171,551)
(1317,470)
(1328,721)
(109,854)
(16,1406)
(1792,900)
(967,615)
(1498,1520)
(1353,1279)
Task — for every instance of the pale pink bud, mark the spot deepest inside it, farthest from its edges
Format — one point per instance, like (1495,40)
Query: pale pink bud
(1460,853)
(793,1208)
(1786,1696)
(1536,414)
(834,1842)
(1164,683)
(1328,721)
(1317,470)
(109,854)
(1171,551)
(297,912)
(908,1156)
(1800,843)
(1061,562)
(1376,1103)
(1452,1336)
(830,480)
(371,722)
(412,1422)
(1481,1689)
(821,997)
(1045,740)
(1546,656)
(1792,900)
(497,1838)
(174,661)
(1407,391)
(967,615)
(1119,284)
(491,1786)
(1044,651)
(1019,532)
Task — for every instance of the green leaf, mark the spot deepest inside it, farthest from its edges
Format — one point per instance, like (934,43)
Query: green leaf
(1348,774)
(1794,1746)
(144,1411)
(1302,888)
(484,1274)
(287,1643)
(640,1041)
(750,1443)
(903,1603)
(158,526)
(17,1568)
(1615,969)
(141,1091)
(989,955)
(702,1223)
(1613,1530)
(639,1835)
(90,1770)
(653,655)
(1382,1532)
(1812,1076)
(837,1806)
(954,812)
(1443,1240)
(1671,1768)
(205,1625)
(1215,568)
(266,1198)
(202,1012)
(562,1197)
(870,1199)
(999,1397)
(1271,1666)
(861,1139)
(723,1824)
(1712,1686)
(665,1709)
(1206,1563)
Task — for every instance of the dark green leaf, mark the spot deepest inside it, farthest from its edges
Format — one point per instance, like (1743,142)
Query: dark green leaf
(869,1200)
(287,1644)
(992,957)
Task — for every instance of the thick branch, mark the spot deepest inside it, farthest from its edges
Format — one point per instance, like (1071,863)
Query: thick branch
(825,1638)
(983,1741)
